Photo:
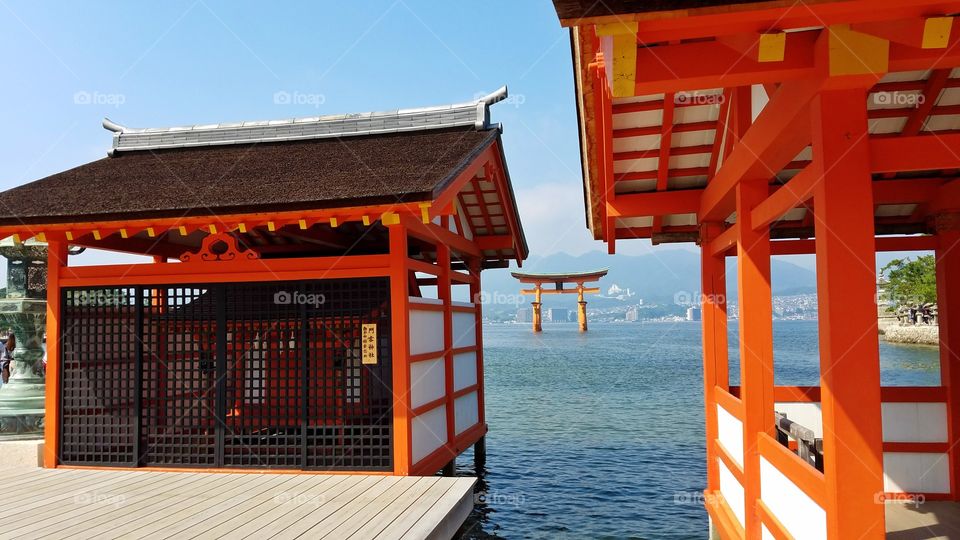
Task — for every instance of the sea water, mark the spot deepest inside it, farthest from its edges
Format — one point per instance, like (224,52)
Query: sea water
(600,435)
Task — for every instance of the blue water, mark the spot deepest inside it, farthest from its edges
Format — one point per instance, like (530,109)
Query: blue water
(601,435)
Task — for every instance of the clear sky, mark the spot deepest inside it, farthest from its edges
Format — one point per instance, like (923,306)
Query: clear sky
(69,64)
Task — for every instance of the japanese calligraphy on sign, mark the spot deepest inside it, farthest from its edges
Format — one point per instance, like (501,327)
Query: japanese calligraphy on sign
(368,343)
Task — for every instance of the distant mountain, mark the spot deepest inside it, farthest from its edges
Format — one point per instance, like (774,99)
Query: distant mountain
(659,277)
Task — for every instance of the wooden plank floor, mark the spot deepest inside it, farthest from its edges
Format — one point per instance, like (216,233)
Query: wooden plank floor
(65,503)
(925,521)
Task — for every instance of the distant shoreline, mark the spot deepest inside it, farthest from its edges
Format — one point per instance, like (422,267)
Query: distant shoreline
(892,331)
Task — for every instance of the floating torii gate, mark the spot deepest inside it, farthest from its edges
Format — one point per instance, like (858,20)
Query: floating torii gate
(580,279)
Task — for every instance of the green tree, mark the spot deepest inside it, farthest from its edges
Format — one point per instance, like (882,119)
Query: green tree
(911,281)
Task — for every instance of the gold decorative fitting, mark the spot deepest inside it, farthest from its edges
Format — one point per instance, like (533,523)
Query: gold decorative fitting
(219,247)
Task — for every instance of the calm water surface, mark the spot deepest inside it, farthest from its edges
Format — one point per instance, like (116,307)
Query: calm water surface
(601,435)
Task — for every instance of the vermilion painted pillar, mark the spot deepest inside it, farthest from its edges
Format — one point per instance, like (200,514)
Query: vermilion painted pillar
(399,330)
(715,367)
(948,308)
(846,288)
(756,341)
(56,261)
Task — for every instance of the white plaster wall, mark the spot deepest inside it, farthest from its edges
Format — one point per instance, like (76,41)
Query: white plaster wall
(732,491)
(916,472)
(464,329)
(426,331)
(807,415)
(427,381)
(429,432)
(914,422)
(799,514)
(464,370)
(466,410)
(730,433)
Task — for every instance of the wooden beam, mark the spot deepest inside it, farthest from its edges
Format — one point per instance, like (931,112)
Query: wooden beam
(915,153)
(775,138)
(787,197)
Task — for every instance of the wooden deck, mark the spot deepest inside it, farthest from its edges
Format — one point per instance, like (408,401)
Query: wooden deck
(926,521)
(62,503)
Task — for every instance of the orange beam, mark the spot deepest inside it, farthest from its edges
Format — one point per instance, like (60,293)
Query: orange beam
(915,153)
(883,243)
(756,340)
(792,194)
(711,64)
(775,138)
(654,203)
(752,18)
(715,362)
(846,285)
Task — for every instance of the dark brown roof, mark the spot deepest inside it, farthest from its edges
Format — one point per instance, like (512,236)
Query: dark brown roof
(581,9)
(311,174)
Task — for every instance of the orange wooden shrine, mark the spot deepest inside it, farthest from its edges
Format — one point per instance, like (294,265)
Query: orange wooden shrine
(763,128)
(311,301)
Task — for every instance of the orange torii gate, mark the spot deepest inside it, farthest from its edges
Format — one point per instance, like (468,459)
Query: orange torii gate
(580,279)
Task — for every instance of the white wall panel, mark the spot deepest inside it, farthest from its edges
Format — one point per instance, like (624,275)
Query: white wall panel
(464,370)
(732,491)
(807,415)
(916,472)
(426,331)
(730,433)
(914,422)
(427,381)
(429,432)
(464,329)
(466,410)
(799,514)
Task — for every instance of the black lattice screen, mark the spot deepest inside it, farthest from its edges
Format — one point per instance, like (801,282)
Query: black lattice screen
(255,375)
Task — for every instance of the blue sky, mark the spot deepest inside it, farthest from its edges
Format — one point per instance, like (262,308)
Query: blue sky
(67,65)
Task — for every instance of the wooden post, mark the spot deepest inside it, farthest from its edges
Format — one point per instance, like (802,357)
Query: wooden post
(715,370)
(56,261)
(400,314)
(537,319)
(756,341)
(948,309)
(581,308)
(480,453)
(846,289)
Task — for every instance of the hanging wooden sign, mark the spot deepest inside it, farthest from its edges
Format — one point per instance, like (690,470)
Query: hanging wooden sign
(368,343)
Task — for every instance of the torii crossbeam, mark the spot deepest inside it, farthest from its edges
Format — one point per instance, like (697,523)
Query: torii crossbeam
(559,280)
